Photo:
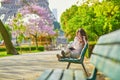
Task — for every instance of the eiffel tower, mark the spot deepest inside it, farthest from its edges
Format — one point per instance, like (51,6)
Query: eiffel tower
(7,10)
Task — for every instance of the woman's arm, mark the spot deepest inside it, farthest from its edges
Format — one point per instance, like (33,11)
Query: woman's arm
(84,39)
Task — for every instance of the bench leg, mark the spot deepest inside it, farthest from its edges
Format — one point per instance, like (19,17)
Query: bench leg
(68,65)
(84,69)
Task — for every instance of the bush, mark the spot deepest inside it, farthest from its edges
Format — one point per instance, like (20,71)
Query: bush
(2,49)
(41,48)
(25,48)
(32,48)
(90,48)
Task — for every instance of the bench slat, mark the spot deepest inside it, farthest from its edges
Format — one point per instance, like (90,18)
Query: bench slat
(115,52)
(110,38)
(56,75)
(106,66)
(45,75)
(102,49)
(68,75)
(79,75)
(111,51)
(73,60)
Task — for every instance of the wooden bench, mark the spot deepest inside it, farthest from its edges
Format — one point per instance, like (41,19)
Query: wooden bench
(59,74)
(77,61)
(105,58)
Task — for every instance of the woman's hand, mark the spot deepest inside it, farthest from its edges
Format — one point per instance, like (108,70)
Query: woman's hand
(84,39)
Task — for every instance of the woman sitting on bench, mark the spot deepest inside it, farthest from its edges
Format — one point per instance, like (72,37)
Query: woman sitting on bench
(73,49)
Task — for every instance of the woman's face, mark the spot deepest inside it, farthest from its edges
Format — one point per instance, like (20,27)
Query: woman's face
(79,34)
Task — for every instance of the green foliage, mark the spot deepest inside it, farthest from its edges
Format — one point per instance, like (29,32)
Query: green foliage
(33,48)
(97,19)
(20,38)
(90,48)
(9,31)
(17,23)
(117,2)
(92,42)
(25,48)
(2,49)
(41,48)
(3,54)
(65,17)
(87,54)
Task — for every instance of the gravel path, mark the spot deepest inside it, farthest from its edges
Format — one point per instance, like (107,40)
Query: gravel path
(30,66)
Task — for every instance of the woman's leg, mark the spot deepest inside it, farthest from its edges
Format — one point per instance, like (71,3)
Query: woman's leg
(66,53)
(59,56)
(63,53)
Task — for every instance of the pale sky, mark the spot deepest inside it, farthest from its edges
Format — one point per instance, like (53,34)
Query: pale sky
(61,5)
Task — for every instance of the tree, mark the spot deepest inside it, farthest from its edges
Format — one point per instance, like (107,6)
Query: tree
(97,18)
(33,20)
(117,2)
(9,46)
(65,18)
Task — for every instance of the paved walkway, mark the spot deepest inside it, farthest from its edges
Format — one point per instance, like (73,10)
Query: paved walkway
(30,66)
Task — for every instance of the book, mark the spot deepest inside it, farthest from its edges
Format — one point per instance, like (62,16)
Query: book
(71,48)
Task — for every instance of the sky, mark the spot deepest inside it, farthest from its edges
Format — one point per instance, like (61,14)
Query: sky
(61,5)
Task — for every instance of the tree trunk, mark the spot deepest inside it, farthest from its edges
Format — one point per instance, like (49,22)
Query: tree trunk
(9,46)
(36,42)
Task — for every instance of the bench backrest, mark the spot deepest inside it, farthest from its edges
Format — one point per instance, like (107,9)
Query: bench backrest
(84,50)
(106,55)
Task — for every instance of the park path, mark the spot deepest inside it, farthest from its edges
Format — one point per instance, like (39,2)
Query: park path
(30,66)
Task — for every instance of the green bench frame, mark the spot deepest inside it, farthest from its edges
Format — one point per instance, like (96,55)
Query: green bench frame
(79,60)
(105,58)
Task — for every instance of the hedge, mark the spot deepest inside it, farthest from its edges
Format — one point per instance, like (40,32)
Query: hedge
(25,48)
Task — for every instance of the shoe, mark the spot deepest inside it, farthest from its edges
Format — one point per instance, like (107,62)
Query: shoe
(58,56)
(63,53)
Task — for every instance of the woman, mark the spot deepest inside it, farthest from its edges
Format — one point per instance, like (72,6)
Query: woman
(73,50)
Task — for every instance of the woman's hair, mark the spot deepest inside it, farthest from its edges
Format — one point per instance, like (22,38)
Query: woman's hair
(82,32)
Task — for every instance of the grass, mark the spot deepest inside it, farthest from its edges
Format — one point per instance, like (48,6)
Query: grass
(4,54)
